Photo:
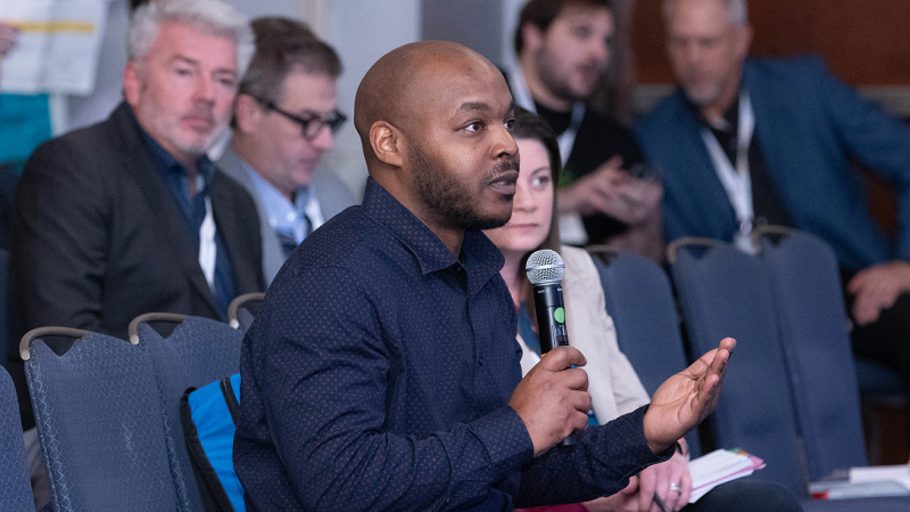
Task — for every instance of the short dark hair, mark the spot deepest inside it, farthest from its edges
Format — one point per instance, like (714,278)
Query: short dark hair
(541,14)
(284,45)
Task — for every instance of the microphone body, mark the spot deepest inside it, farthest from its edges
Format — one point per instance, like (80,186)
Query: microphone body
(551,316)
(545,270)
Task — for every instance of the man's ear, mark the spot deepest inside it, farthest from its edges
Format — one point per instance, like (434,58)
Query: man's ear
(387,143)
(247,113)
(132,83)
(532,37)
(743,40)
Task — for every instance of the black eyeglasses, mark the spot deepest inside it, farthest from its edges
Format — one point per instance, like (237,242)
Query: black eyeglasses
(310,126)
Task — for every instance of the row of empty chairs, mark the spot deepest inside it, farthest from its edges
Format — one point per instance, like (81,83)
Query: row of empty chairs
(107,410)
(791,394)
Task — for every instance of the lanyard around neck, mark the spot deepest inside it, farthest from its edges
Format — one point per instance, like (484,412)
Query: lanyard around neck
(735,176)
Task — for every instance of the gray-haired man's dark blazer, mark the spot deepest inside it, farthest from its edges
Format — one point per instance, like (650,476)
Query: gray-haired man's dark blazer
(99,238)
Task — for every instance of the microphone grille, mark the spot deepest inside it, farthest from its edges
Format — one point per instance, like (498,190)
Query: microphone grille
(545,266)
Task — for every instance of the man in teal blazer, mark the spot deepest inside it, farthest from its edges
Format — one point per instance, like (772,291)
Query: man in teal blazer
(746,141)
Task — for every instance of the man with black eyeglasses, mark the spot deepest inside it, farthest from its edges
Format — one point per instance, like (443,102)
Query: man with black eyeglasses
(285,118)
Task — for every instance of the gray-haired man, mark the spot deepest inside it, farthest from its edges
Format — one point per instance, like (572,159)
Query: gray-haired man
(129,216)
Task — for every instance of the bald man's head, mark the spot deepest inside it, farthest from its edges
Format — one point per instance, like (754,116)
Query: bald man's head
(399,86)
(434,119)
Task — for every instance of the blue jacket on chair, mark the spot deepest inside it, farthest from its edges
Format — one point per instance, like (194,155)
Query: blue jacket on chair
(810,127)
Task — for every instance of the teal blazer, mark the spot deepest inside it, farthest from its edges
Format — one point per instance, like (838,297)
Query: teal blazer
(810,127)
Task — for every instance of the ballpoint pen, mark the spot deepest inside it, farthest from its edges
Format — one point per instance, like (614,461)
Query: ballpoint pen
(660,504)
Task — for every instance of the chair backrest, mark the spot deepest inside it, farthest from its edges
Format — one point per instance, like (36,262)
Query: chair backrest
(99,422)
(196,352)
(724,292)
(816,340)
(640,300)
(15,491)
(243,310)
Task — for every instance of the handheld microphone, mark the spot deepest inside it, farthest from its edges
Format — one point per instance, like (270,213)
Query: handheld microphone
(545,271)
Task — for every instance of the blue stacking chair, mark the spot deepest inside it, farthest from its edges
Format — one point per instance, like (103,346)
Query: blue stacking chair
(5,347)
(813,321)
(186,351)
(724,292)
(243,310)
(816,340)
(99,422)
(15,490)
(640,301)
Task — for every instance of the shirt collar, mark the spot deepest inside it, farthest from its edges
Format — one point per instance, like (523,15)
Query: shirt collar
(727,124)
(481,258)
(282,214)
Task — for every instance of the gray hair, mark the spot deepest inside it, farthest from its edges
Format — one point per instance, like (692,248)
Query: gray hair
(737,11)
(209,16)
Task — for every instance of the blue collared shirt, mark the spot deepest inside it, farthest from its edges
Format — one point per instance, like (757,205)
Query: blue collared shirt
(377,377)
(193,208)
(294,220)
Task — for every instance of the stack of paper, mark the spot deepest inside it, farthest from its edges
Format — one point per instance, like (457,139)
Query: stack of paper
(899,474)
(865,482)
(719,466)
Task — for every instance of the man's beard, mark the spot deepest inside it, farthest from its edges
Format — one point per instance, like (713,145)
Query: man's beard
(704,96)
(555,80)
(450,201)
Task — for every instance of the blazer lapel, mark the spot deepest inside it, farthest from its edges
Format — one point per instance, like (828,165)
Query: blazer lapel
(169,220)
(238,234)
(775,136)
(705,193)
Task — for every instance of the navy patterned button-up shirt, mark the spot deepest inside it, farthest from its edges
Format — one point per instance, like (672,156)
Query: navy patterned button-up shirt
(377,377)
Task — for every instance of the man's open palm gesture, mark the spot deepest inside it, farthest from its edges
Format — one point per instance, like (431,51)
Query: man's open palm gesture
(685,399)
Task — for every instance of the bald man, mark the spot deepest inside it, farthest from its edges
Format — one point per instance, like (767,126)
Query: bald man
(382,372)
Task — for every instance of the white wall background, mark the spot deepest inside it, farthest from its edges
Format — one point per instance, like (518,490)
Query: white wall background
(361,31)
